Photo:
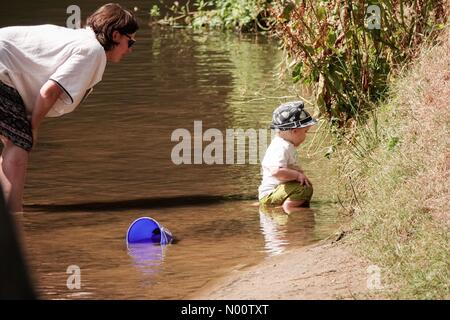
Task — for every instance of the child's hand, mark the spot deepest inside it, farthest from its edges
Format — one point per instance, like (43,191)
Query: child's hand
(303,179)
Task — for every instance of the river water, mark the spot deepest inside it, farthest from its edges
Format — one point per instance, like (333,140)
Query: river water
(111,161)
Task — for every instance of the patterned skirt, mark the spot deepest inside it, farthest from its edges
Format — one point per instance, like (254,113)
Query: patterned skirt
(14,123)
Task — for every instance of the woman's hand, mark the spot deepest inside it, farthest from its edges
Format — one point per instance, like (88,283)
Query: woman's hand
(45,100)
(35,135)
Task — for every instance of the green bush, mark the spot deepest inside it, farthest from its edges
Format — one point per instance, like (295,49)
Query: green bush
(229,14)
(241,15)
(337,47)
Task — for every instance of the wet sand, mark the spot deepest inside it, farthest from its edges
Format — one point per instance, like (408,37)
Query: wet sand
(321,271)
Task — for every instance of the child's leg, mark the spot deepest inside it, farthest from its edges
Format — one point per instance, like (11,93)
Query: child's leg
(293,206)
(298,195)
(293,203)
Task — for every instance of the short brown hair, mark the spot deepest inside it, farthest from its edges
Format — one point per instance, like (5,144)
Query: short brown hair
(109,18)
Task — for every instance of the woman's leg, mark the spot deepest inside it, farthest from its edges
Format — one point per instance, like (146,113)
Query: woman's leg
(13,166)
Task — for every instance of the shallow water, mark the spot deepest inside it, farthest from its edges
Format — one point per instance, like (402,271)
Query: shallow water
(212,241)
(96,170)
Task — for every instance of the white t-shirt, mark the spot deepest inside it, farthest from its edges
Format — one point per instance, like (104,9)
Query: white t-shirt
(280,154)
(31,55)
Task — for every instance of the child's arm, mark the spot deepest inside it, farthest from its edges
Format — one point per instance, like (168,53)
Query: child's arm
(286,174)
(296,168)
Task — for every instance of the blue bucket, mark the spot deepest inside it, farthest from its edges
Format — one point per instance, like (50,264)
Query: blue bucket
(148,230)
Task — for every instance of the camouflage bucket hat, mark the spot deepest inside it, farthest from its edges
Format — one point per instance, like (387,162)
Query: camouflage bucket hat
(291,115)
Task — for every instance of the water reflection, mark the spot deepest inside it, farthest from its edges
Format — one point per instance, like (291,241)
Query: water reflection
(274,227)
(147,257)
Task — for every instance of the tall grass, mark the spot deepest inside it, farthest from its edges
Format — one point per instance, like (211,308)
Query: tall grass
(401,206)
(338,47)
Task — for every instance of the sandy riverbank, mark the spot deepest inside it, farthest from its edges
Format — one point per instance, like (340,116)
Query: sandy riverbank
(322,271)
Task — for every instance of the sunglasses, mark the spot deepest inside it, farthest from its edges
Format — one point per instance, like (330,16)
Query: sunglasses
(131,41)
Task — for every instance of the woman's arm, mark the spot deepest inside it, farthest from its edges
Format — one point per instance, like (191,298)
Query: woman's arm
(45,100)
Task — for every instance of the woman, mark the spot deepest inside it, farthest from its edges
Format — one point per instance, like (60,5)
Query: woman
(48,70)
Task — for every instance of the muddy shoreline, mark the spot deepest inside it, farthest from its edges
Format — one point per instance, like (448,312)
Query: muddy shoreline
(324,270)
